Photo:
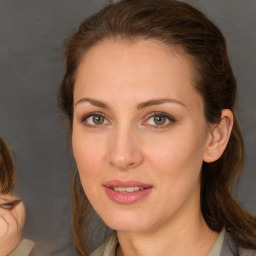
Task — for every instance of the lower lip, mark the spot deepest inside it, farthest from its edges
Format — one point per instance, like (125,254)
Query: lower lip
(127,198)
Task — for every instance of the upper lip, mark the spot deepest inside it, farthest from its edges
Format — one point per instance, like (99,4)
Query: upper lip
(126,184)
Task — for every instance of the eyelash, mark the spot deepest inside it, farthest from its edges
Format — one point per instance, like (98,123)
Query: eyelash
(161,114)
(171,120)
(86,117)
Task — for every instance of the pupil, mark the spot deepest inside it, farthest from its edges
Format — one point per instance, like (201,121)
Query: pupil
(98,119)
(159,120)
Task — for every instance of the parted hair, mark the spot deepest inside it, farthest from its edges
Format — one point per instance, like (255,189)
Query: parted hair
(180,25)
(7,169)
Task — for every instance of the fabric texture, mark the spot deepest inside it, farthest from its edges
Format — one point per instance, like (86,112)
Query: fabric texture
(218,244)
(108,248)
(24,248)
(230,248)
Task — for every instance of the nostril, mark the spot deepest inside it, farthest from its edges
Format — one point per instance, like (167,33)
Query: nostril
(123,163)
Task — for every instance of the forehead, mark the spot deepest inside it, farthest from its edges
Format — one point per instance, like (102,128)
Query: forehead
(140,68)
(139,53)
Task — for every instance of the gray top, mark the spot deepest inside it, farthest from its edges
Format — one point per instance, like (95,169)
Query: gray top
(24,248)
(224,246)
(230,248)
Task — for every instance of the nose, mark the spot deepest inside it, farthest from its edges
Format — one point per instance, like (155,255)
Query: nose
(124,150)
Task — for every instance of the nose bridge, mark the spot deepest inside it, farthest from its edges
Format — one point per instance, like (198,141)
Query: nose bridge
(124,151)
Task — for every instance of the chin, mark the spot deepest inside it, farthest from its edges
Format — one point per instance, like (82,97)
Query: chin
(124,223)
(127,228)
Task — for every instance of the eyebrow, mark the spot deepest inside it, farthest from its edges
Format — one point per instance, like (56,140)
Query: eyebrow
(158,102)
(142,105)
(94,102)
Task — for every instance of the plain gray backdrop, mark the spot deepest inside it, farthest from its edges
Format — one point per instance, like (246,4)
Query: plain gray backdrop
(31,67)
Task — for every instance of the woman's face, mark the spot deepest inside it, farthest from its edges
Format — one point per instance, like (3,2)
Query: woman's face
(139,134)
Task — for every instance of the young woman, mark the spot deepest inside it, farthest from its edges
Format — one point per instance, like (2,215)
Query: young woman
(150,95)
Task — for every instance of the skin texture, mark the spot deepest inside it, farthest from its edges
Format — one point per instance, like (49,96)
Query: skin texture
(11,224)
(129,145)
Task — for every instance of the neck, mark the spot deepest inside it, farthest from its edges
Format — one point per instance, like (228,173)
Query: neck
(192,237)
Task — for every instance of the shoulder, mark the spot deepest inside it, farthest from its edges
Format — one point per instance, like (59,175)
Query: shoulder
(24,248)
(230,248)
(108,248)
(99,251)
(246,252)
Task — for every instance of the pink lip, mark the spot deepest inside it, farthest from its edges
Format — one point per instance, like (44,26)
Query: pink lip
(128,197)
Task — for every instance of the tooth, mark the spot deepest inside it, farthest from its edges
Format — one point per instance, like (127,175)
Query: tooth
(119,189)
(130,189)
(127,190)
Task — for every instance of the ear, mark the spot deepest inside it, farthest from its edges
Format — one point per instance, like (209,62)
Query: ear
(218,137)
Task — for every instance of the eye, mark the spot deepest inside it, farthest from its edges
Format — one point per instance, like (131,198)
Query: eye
(159,119)
(7,206)
(10,205)
(95,119)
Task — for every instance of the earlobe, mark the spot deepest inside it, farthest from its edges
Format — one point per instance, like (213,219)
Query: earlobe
(219,137)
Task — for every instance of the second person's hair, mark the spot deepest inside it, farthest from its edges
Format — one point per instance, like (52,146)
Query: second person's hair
(7,169)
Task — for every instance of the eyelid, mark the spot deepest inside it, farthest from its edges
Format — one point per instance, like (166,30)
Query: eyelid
(86,116)
(159,113)
(91,114)
(10,205)
(147,117)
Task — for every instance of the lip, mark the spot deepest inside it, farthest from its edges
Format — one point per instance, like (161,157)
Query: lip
(126,197)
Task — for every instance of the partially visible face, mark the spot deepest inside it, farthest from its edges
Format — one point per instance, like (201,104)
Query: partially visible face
(139,134)
(12,220)
(14,204)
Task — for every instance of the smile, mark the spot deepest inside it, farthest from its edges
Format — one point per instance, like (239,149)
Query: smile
(127,192)
(127,189)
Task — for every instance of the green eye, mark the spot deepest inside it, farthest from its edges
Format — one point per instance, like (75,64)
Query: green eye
(98,119)
(159,120)
(95,119)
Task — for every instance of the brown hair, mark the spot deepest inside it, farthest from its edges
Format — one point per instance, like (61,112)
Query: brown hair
(176,24)
(7,169)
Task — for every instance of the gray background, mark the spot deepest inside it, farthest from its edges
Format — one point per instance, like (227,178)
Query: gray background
(31,66)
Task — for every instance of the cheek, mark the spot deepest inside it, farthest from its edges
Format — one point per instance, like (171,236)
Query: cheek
(180,166)
(181,148)
(85,155)
(85,161)
(20,214)
(177,158)
(88,155)
(177,166)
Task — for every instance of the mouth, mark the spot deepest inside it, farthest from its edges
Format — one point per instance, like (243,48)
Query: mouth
(126,192)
